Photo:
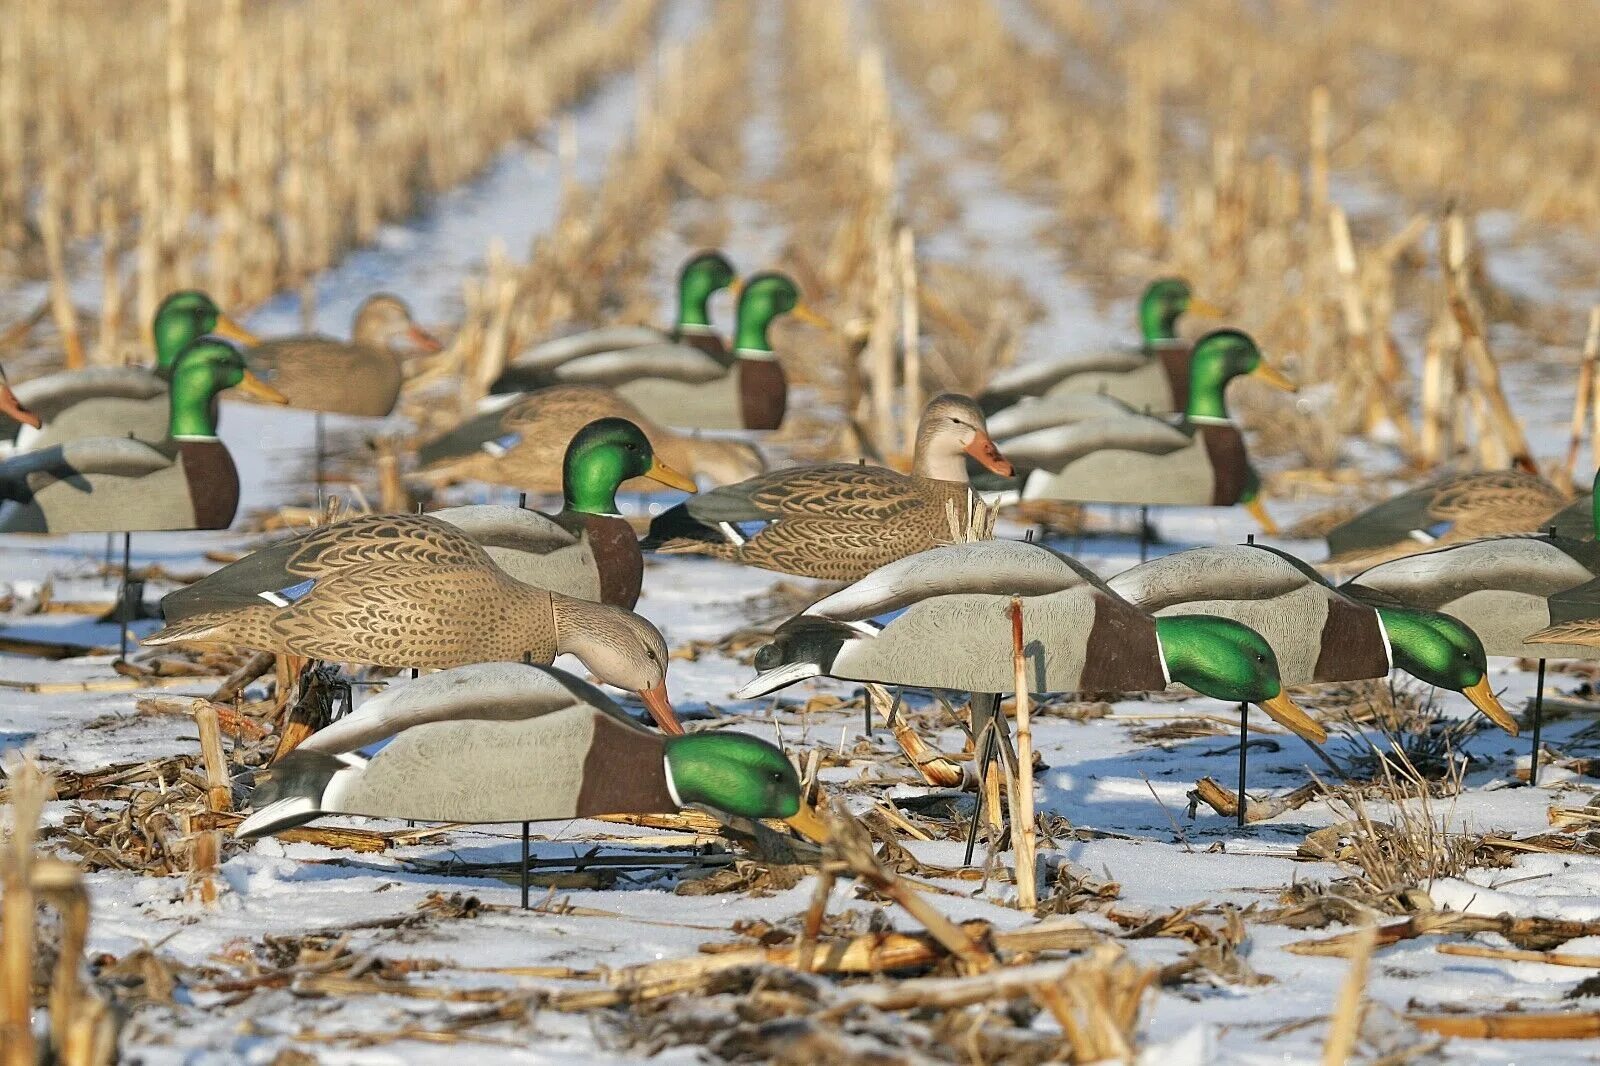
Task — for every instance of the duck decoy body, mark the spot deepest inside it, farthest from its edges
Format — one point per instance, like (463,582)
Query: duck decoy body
(1318,633)
(1151,377)
(107,401)
(701,277)
(523,442)
(1144,459)
(1449,510)
(506,742)
(840,520)
(953,631)
(410,590)
(361,376)
(117,484)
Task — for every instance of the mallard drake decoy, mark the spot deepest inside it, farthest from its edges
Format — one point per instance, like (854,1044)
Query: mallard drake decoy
(107,401)
(535,743)
(1449,510)
(1318,633)
(701,277)
(840,521)
(411,590)
(1145,459)
(361,376)
(953,631)
(522,442)
(118,484)
(1507,588)
(1151,377)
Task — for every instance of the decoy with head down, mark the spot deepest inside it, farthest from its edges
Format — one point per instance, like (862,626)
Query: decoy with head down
(1318,633)
(106,401)
(953,631)
(361,376)
(523,443)
(506,742)
(1198,460)
(186,480)
(840,521)
(410,590)
(1154,376)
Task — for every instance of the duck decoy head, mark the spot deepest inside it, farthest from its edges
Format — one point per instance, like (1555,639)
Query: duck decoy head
(383,318)
(762,298)
(953,425)
(1165,300)
(739,774)
(804,646)
(702,276)
(1445,652)
(10,405)
(184,317)
(621,649)
(1227,660)
(604,454)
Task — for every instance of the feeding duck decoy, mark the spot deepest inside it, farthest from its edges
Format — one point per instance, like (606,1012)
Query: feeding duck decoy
(700,278)
(523,442)
(842,520)
(692,389)
(1449,510)
(119,401)
(410,590)
(1318,633)
(187,480)
(1151,377)
(535,744)
(1199,460)
(361,376)
(953,631)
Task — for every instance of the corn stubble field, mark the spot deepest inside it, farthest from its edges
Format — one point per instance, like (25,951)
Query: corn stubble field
(1399,202)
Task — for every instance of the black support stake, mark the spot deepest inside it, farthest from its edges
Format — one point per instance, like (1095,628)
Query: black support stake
(1538,724)
(866,703)
(321,453)
(1144,533)
(126,614)
(1244,755)
(525,865)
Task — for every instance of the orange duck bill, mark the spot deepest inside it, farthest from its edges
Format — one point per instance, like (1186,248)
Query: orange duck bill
(424,340)
(660,708)
(9,404)
(983,449)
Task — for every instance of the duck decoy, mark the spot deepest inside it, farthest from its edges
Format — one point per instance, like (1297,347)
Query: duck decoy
(1318,633)
(119,401)
(1136,458)
(507,742)
(841,521)
(700,278)
(523,442)
(1151,377)
(361,376)
(1448,510)
(411,590)
(187,480)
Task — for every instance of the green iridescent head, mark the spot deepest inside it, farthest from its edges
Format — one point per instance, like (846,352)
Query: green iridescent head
(702,277)
(1219,657)
(1163,303)
(733,772)
(1218,358)
(202,370)
(1445,652)
(186,316)
(764,297)
(604,454)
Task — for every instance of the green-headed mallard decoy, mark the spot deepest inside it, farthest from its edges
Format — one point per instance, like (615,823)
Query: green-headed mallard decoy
(1151,377)
(689,388)
(700,278)
(1199,460)
(361,376)
(840,521)
(1449,510)
(953,631)
(107,401)
(411,590)
(1318,633)
(523,443)
(119,484)
(536,743)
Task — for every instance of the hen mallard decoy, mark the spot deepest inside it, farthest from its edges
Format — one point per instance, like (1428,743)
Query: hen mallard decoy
(951,629)
(704,275)
(687,386)
(522,443)
(1151,377)
(1449,510)
(361,376)
(1198,460)
(1318,633)
(410,590)
(536,744)
(842,520)
(106,401)
(187,480)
